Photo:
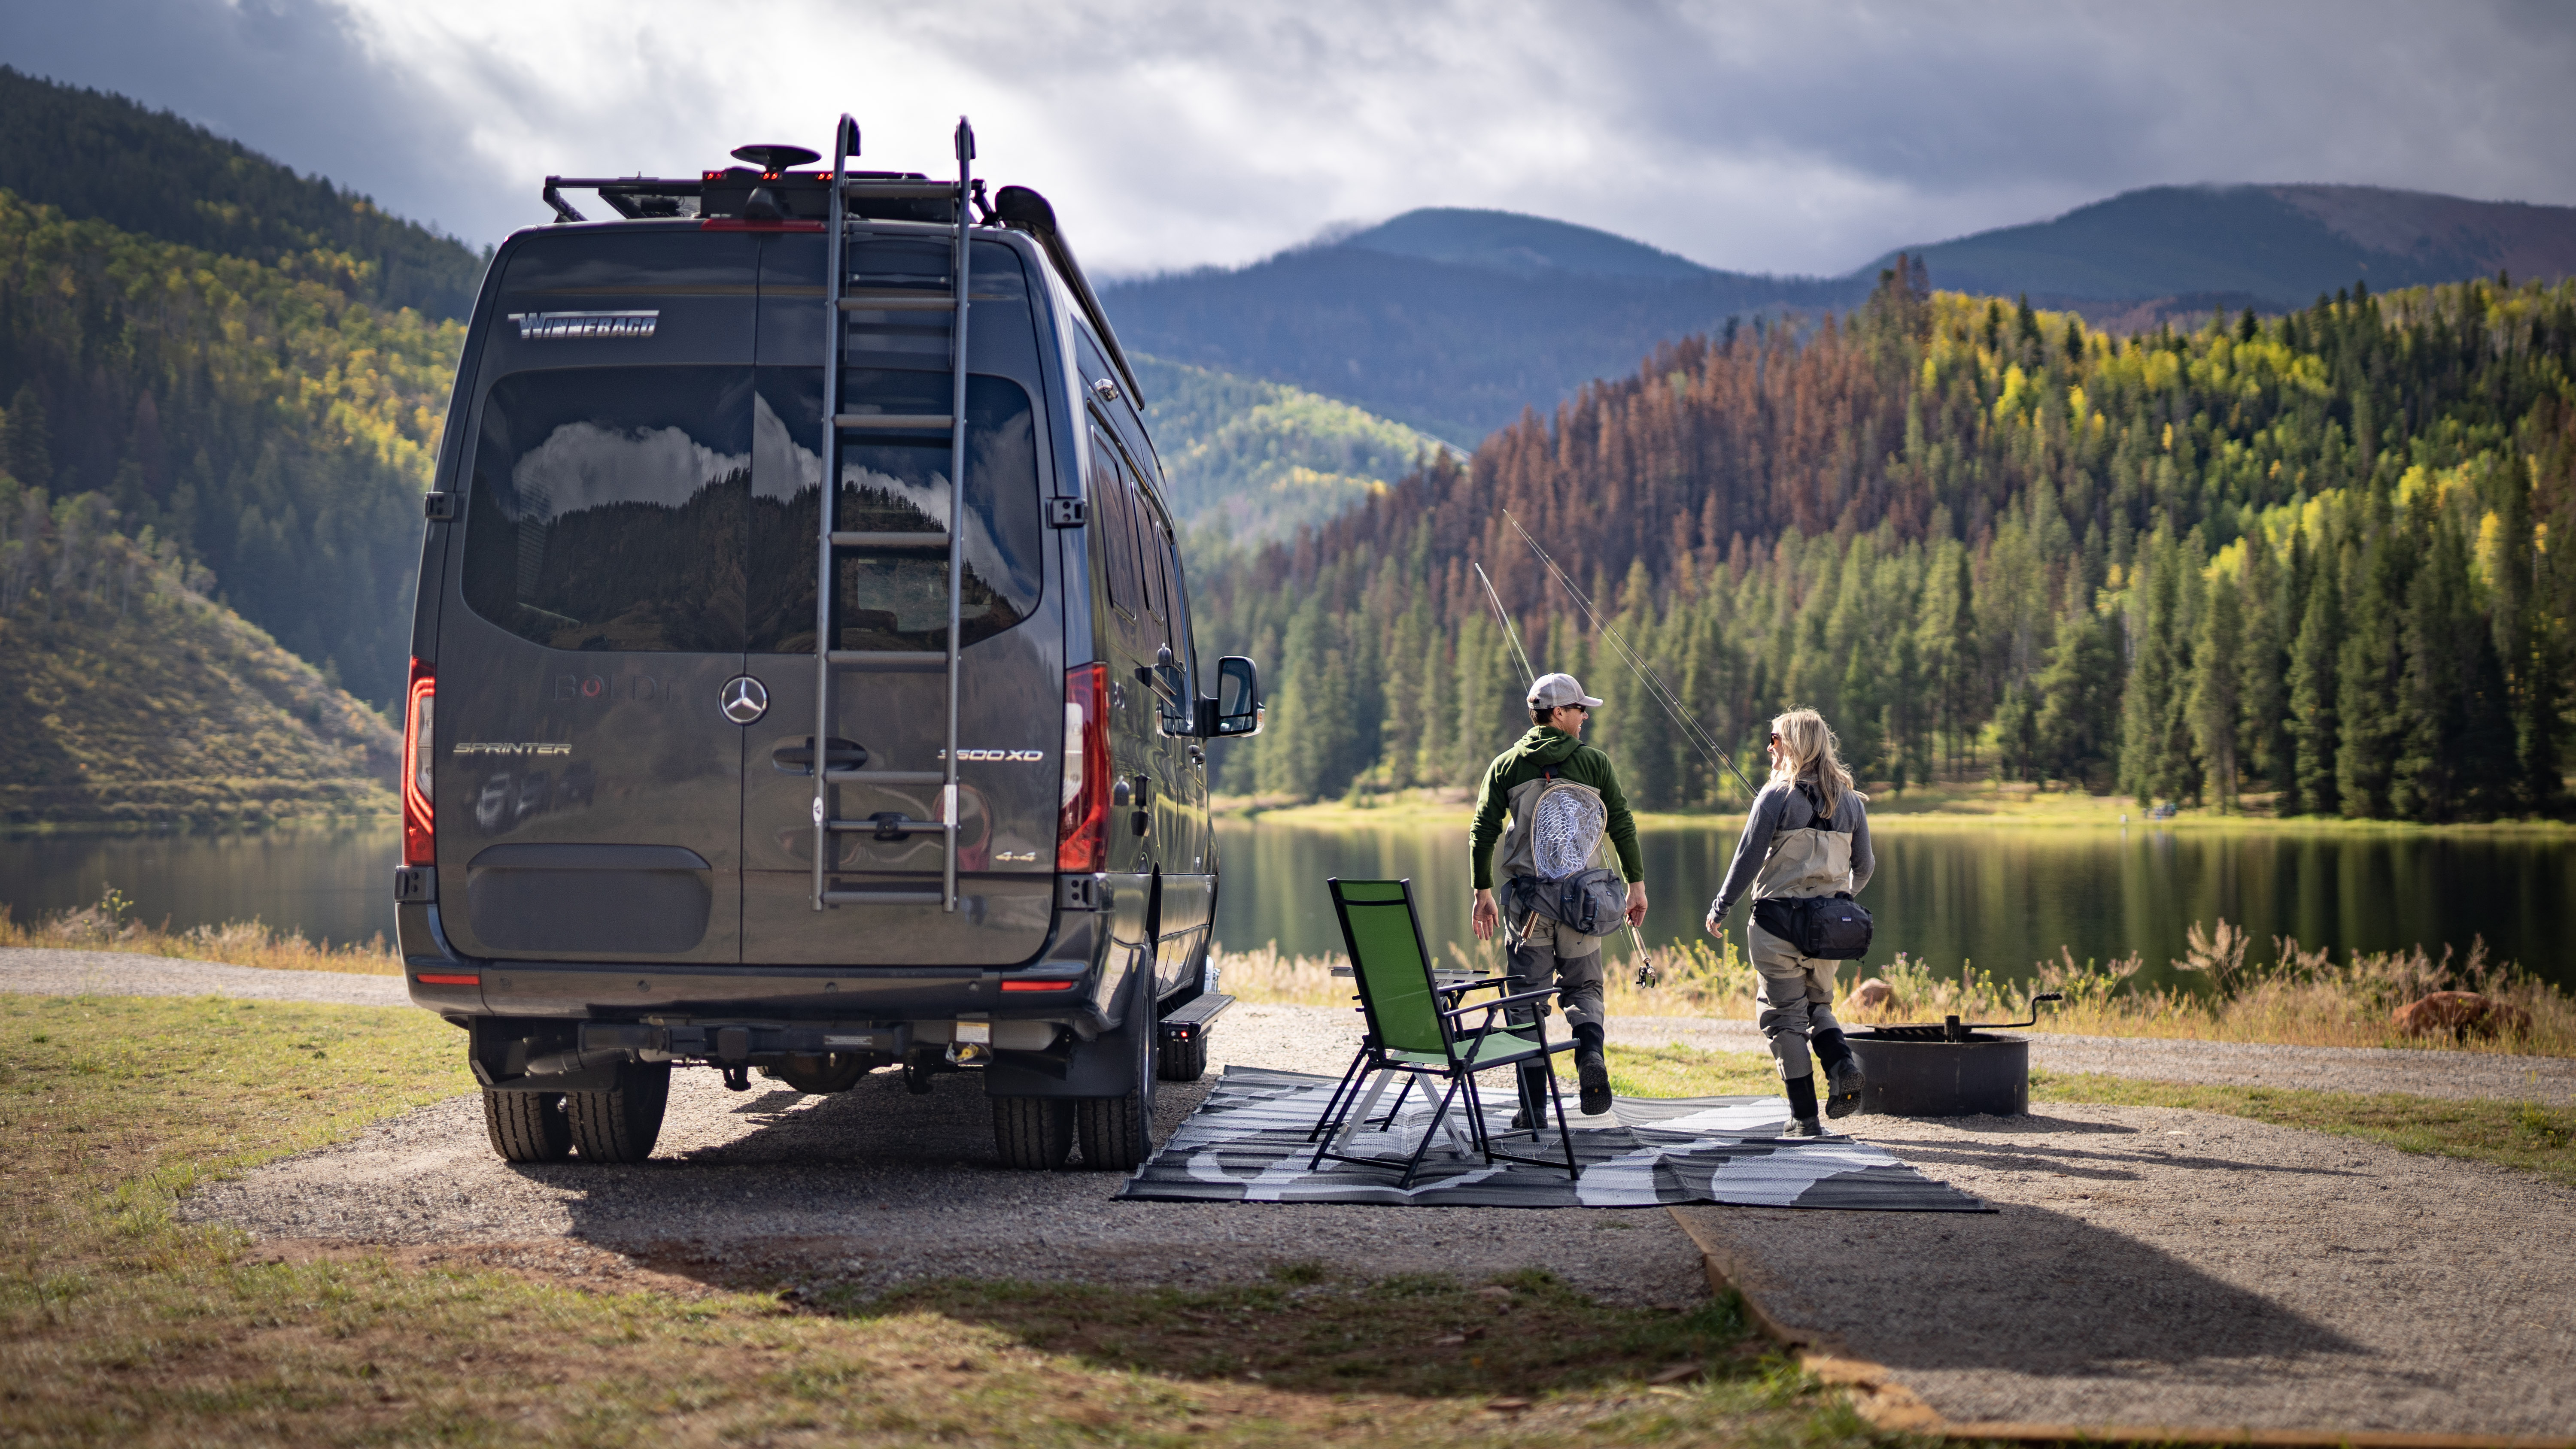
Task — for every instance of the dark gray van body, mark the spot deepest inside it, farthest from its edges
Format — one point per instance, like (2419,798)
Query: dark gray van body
(624,525)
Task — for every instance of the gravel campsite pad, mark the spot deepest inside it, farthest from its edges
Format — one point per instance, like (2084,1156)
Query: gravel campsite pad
(2149,1266)
(874,1187)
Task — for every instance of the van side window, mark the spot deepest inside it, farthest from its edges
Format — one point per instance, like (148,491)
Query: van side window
(607,508)
(1149,551)
(1109,497)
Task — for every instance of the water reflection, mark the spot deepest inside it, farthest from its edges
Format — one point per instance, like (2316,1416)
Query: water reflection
(2002,898)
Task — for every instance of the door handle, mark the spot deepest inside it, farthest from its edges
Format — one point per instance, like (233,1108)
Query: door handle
(795,756)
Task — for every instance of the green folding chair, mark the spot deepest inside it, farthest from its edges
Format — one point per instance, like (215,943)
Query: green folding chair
(1417,1029)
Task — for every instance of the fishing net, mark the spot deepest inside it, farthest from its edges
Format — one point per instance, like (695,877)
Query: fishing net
(1565,831)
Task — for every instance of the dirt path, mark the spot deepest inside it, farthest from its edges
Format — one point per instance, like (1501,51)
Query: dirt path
(43,971)
(2159,1267)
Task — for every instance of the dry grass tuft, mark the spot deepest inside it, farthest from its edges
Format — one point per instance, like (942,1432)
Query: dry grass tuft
(107,924)
(2295,997)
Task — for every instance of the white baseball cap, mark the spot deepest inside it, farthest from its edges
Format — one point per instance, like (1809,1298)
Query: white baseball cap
(1555,691)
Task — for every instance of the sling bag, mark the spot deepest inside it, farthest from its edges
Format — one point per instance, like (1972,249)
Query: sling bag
(1828,928)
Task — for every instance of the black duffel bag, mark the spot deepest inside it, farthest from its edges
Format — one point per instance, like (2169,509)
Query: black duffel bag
(1829,928)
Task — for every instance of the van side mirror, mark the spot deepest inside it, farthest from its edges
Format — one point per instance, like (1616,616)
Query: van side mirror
(1239,709)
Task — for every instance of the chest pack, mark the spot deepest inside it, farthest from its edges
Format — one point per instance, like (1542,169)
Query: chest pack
(1828,927)
(1549,855)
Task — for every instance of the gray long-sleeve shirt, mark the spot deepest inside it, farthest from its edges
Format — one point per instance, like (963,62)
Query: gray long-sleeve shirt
(1785,807)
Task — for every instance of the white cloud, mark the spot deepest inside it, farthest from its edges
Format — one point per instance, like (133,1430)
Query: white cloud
(1785,138)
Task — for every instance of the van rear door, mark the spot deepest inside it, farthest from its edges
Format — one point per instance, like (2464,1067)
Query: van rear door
(588,791)
(1010,695)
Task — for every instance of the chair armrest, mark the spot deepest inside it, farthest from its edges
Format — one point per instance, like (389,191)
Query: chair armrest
(1500,1001)
(1457,988)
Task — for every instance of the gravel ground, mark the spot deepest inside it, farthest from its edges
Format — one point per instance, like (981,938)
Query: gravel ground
(2426,1073)
(2149,1266)
(875,1187)
(2159,1267)
(41,971)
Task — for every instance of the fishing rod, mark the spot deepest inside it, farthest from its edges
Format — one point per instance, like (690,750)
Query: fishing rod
(1528,675)
(1655,687)
(1647,973)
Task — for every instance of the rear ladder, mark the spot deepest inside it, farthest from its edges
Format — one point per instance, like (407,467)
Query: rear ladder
(830,663)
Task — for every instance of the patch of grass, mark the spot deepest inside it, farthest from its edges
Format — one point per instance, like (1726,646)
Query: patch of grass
(2524,1135)
(107,925)
(119,1324)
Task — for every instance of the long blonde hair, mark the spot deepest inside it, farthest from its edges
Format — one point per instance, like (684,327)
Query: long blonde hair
(1807,752)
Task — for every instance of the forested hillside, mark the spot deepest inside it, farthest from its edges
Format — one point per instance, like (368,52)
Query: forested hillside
(1245,462)
(262,418)
(102,156)
(128,698)
(2313,557)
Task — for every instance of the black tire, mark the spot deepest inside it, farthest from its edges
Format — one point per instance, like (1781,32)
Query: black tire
(1114,1130)
(1034,1134)
(527,1126)
(620,1124)
(1186,1063)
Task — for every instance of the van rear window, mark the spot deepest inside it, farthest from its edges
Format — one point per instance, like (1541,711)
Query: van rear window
(609,507)
(676,508)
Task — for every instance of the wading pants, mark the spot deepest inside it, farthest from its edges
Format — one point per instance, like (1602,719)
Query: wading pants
(1797,1001)
(1536,965)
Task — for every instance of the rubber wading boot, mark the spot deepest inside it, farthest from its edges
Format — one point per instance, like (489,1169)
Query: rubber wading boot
(1533,1085)
(1802,1108)
(1843,1079)
(1591,1070)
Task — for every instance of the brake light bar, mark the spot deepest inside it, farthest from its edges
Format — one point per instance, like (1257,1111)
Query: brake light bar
(429,980)
(1082,827)
(420,823)
(1039,985)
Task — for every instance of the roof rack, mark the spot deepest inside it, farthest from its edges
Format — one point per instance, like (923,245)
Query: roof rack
(770,196)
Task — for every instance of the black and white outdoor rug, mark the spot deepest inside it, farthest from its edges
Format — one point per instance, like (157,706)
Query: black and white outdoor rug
(1247,1143)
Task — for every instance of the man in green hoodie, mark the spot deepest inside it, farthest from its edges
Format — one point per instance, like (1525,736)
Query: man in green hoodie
(1544,953)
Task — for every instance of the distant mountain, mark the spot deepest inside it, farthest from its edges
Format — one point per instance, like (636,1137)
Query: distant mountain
(1453,320)
(1247,461)
(1448,321)
(91,154)
(2277,246)
(219,727)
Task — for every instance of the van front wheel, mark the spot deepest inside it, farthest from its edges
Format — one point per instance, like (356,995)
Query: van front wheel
(527,1126)
(621,1124)
(1034,1134)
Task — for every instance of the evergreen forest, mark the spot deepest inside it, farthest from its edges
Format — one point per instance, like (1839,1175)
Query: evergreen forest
(2305,563)
(260,416)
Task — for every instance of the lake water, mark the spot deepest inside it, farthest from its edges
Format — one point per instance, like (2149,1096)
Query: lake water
(2004,898)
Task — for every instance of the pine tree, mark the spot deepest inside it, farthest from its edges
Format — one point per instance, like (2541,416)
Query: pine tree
(2315,731)
(2367,673)
(2217,686)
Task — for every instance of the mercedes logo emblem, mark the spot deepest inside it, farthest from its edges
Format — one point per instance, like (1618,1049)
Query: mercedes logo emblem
(744,699)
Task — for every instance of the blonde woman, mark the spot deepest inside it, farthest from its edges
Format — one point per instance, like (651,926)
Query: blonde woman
(1807,835)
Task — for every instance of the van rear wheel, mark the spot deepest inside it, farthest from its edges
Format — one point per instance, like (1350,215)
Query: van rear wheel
(1034,1134)
(527,1126)
(1110,1132)
(621,1124)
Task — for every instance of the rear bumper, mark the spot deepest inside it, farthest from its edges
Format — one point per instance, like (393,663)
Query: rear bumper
(1065,985)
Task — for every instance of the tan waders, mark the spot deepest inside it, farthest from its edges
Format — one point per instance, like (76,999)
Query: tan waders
(1797,991)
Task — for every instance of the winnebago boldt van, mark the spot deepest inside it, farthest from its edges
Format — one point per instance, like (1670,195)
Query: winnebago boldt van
(708,763)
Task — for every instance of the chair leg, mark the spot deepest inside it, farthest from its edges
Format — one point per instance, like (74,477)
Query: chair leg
(1334,1104)
(1564,1133)
(1413,1164)
(1405,1091)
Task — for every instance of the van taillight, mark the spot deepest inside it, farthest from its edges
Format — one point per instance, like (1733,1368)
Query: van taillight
(1082,829)
(420,835)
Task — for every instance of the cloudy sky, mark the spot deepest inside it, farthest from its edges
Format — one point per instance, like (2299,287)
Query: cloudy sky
(1803,137)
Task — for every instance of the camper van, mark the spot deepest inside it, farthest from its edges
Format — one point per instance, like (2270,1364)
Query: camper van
(741,736)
